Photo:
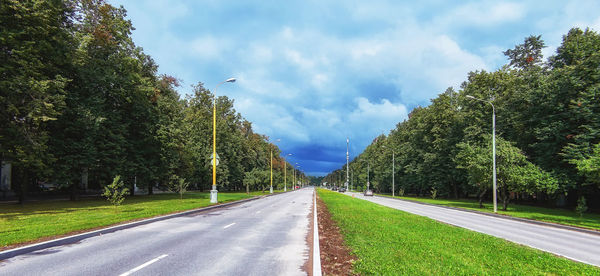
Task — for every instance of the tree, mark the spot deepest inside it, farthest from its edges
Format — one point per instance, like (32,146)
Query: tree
(35,52)
(115,192)
(590,166)
(178,185)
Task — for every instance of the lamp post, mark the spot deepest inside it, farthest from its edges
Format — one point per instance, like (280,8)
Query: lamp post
(285,172)
(493,148)
(214,192)
(347,162)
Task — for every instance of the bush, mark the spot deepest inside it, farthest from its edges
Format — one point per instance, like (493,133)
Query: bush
(178,185)
(581,206)
(115,192)
(401,192)
(433,192)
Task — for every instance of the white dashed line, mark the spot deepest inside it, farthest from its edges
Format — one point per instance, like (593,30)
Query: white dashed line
(227,226)
(144,265)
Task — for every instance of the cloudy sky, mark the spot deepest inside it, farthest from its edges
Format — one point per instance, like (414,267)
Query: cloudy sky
(312,73)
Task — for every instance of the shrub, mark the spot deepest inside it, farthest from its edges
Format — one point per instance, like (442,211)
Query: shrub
(115,192)
(581,206)
(433,192)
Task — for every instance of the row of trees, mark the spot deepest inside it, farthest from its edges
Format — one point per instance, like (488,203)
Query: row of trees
(81,103)
(548,132)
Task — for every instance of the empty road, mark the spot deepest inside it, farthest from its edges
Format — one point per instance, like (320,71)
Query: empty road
(582,247)
(261,237)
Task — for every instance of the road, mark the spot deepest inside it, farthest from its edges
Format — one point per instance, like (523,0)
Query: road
(266,236)
(582,247)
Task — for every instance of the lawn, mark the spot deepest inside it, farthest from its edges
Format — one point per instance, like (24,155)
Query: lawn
(556,215)
(42,219)
(392,242)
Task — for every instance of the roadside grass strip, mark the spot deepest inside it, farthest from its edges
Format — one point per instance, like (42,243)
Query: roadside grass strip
(555,215)
(392,242)
(43,219)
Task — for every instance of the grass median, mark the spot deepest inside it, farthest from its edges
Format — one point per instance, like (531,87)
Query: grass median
(391,242)
(43,219)
(555,215)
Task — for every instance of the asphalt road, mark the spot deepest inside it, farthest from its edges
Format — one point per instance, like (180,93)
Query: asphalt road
(261,237)
(571,244)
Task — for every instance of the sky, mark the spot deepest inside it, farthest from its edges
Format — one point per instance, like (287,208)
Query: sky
(313,73)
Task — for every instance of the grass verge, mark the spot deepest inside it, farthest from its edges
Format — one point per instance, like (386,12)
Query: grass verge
(43,219)
(391,242)
(555,215)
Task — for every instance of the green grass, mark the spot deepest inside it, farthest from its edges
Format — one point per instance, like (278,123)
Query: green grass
(35,220)
(391,242)
(556,215)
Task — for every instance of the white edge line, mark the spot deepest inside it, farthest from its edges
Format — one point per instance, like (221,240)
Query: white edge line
(144,265)
(229,225)
(316,250)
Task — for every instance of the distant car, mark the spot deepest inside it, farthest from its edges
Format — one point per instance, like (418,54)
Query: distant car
(47,187)
(368,192)
(342,190)
(334,188)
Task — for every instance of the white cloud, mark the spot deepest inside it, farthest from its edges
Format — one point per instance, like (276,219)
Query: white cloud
(485,13)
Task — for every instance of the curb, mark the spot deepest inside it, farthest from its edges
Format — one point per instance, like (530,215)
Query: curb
(550,224)
(75,238)
(316,248)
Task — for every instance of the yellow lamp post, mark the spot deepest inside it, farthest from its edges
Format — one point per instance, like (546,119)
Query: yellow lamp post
(214,192)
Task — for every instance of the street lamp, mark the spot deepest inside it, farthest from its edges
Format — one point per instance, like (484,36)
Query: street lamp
(493,147)
(285,172)
(347,165)
(214,192)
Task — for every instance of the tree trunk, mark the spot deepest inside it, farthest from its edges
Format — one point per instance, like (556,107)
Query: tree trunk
(505,199)
(455,188)
(150,189)
(247,189)
(74,192)
(481,198)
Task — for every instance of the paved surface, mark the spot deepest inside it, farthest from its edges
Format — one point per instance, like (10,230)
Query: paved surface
(261,237)
(574,245)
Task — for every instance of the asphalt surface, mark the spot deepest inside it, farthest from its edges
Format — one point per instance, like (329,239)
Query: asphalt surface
(261,237)
(578,246)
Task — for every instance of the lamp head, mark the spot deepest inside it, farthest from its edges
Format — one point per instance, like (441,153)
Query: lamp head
(230,80)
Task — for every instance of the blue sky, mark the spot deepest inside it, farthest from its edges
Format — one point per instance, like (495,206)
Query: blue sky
(312,73)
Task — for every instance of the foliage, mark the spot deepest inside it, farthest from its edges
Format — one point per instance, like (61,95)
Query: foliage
(433,193)
(178,185)
(590,166)
(115,192)
(581,206)
(392,242)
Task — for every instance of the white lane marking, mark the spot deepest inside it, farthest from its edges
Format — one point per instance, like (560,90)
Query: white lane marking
(258,212)
(144,265)
(227,226)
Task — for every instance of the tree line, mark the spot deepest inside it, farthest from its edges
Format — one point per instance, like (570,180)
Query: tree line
(80,103)
(547,132)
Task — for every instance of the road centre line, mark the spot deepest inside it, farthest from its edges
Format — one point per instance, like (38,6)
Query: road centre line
(144,265)
(227,226)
